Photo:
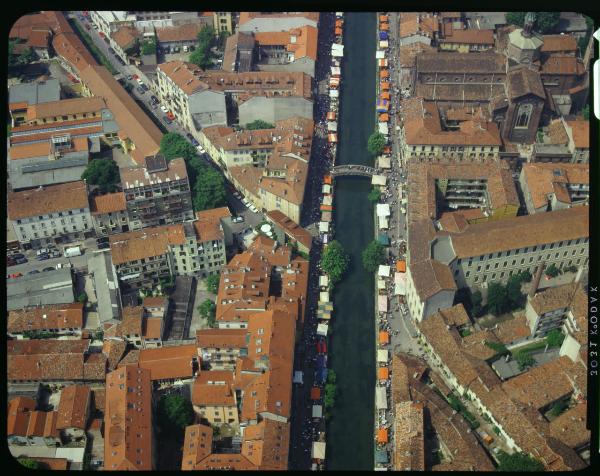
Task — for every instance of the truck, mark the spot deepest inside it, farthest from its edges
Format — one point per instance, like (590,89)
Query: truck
(72,251)
(485,437)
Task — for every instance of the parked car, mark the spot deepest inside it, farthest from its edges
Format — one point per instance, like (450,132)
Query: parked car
(140,90)
(253,208)
(238,219)
(153,105)
(153,98)
(87,26)
(54,254)
(102,35)
(237,195)
(33,271)
(15,275)
(170,115)
(129,77)
(18,255)
(49,268)
(21,260)
(103,246)
(194,142)
(43,257)
(120,60)
(189,136)
(144,87)
(163,108)
(201,149)
(102,239)
(10,262)
(110,50)
(167,120)
(42,251)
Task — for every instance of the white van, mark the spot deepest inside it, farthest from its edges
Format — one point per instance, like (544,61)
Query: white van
(186,49)
(72,251)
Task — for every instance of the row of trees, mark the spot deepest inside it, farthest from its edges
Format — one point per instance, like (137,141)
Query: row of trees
(203,56)
(208,185)
(330,390)
(259,124)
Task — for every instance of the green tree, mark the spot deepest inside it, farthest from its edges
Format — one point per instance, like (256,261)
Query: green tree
(524,359)
(223,35)
(104,173)
(206,35)
(545,22)
(374,195)
(29,463)
(82,297)
(175,412)
(525,276)
(476,307)
(497,346)
(174,145)
(586,112)
(517,462)
(259,124)
(335,261)
(202,56)
(558,408)
(212,283)
(552,271)
(373,255)
(149,47)
(513,292)
(555,338)
(330,390)
(28,56)
(209,189)
(376,143)
(497,299)
(515,18)
(208,311)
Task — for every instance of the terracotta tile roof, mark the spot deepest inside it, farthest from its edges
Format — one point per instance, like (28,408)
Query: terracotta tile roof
(84,131)
(221,338)
(557,132)
(214,388)
(68,46)
(295,231)
(524,81)
(272,38)
(553,298)
(47,346)
(94,366)
(562,64)
(431,277)
(197,445)
(73,409)
(266,444)
(134,124)
(301,41)
(453,221)
(570,427)
(471,37)
(169,362)
(186,32)
(208,224)
(128,420)
(543,179)
(114,350)
(39,38)
(131,357)
(152,328)
(409,438)
(132,177)
(408,53)
(558,43)
(522,231)
(49,199)
(19,409)
(65,107)
(146,243)
(126,36)
(109,203)
(26,24)
(450,62)
(247,16)
(54,316)
(155,301)
(53,464)
(248,176)
(41,149)
(131,321)
(184,75)
(512,330)
(580,129)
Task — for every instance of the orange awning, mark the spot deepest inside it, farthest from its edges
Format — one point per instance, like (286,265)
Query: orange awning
(339,22)
(383,373)
(384,117)
(332,138)
(326,208)
(384,73)
(338,31)
(382,435)
(385,86)
(384,337)
(315,393)
(383,18)
(385,95)
(401,266)
(387,149)
(384,27)
(328,179)
(331,116)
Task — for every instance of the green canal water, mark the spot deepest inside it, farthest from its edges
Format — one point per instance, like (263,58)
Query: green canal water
(350,430)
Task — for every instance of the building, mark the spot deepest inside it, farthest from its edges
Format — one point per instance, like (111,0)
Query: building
(293,50)
(178,38)
(214,398)
(54,361)
(465,40)
(579,140)
(193,102)
(222,21)
(168,365)
(268,166)
(456,133)
(554,186)
(61,319)
(40,289)
(34,31)
(23,95)
(220,348)
(138,328)
(554,308)
(128,432)
(109,213)
(28,427)
(125,41)
(417,28)
(106,285)
(409,438)
(158,193)
(288,230)
(253,22)
(73,413)
(51,215)
(239,53)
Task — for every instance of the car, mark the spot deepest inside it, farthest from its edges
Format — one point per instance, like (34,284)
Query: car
(110,50)
(129,77)
(33,271)
(201,149)
(15,275)
(194,142)
(54,254)
(153,98)
(170,115)
(189,136)
(87,26)
(139,80)
(103,246)
(43,257)
(247,231)
(253,208)
(42,251)
(136,77)
(167,120)
(144,87)
(102,239)
(21,260)
(18,255)
(49,268)
(120,60)
(140,90)
(163,108)
(153,105)
(10,262)
(238,219)
(102,35)
(237,195)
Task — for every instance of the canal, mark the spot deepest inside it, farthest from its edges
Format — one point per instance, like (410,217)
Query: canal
(352,353)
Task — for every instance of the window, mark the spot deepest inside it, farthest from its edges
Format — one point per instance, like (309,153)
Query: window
(523,116)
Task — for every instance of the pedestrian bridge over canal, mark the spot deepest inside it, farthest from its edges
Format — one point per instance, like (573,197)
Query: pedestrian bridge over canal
(353,170)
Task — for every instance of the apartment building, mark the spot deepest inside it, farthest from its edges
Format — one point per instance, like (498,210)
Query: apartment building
(252,22)
(222,21)
(128,434)
(23,95)
(553,308)
(50,215)
(28,427)
(193,102)
(214,398)
(170,365)
(417,28)
(456,133)
(554,186)
(61,319)
(465,40)
(563,141)
(158,193)
(125,40)
(221,347)
(268,166)
(109,213)
(293,50)
(138,328)
(288,230)
(239,53)
(73,412)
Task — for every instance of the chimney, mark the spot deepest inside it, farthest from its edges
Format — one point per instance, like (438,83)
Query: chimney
(536,280)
